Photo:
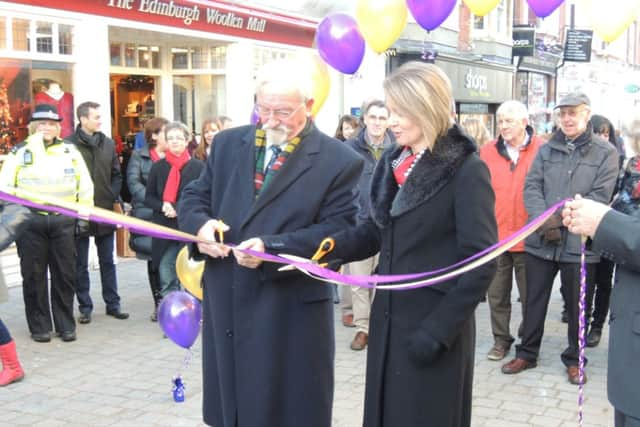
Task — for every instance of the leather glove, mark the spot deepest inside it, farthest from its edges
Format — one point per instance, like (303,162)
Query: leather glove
(554,221)
(423,348)
(82,228)
(552,236)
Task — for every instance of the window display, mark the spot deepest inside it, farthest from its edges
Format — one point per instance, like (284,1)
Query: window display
(23,84)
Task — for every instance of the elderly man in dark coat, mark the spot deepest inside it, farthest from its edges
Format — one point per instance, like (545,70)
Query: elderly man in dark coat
(268,338)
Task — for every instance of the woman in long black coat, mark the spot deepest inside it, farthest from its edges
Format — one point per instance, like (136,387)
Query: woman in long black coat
(164,205)
(432,206)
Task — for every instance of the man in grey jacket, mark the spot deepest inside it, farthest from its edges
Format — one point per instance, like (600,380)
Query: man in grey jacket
(574,161)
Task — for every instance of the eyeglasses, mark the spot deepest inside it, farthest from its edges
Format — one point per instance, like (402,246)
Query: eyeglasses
(280,113)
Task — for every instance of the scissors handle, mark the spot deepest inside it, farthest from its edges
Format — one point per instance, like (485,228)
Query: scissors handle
(325,247)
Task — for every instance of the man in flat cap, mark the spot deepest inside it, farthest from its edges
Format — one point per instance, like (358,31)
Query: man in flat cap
(574,161)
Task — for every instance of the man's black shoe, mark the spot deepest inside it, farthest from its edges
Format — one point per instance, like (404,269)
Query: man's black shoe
(84,318)
(68,336)
(44,337)
(118,314)
(593,339)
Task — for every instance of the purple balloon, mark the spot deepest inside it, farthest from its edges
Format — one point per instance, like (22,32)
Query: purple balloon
(254,117)
(429,14)
(179,316)
(544,8)
(340,43)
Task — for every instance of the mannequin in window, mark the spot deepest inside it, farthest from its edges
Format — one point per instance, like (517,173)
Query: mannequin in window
(55,95)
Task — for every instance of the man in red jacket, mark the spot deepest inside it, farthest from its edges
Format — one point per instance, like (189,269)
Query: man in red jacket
(509,158)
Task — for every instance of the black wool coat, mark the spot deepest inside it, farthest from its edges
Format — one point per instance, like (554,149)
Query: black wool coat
(268,339)
(99,154)
(442,214)
(153,198)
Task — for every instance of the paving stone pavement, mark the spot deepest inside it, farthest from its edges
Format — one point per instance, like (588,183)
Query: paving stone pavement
(118,373)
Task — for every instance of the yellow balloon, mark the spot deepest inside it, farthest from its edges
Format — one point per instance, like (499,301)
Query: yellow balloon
(481,7)
(321,82)
(190,273)
(381,22)
(611,18)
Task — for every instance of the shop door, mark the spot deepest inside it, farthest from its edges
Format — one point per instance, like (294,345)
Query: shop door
(184,100)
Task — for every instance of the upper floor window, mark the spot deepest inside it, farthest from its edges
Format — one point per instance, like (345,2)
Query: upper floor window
(36,36)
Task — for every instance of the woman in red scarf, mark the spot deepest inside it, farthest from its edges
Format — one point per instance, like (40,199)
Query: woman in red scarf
(167,179)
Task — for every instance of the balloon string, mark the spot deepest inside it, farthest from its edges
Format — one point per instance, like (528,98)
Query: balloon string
(185,362)
(582,330)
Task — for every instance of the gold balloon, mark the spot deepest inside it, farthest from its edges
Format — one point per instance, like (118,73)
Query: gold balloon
(481,7)
(611,18)
(190,273)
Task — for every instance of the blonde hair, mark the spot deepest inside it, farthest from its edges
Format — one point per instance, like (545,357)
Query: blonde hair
(632,130)
(476,129)
(422,93)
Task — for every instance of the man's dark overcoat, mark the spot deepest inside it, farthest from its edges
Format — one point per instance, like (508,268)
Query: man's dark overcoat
(268,338)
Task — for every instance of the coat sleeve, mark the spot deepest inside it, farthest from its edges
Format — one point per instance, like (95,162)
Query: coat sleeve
(605,181)
(476,230)
(534,187)
(194,206)
(618,239)
(134,178)
(152,198)
(116,175)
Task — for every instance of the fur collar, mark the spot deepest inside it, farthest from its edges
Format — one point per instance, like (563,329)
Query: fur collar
(432,172)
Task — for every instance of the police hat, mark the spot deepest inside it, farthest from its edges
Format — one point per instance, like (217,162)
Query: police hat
(573,100)
(45,112)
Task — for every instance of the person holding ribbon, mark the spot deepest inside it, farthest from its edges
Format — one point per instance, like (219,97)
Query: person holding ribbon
(432,205)
(615,234)
(167,179)
(573,161)
(268,344)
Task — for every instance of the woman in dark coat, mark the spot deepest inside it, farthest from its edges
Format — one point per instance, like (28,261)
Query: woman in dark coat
(167,179)
(137,176)
(432,206)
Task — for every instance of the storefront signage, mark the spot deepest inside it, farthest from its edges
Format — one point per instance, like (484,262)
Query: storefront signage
(523,41)
(202,15)
(476,82)
(632,88)
(578,45)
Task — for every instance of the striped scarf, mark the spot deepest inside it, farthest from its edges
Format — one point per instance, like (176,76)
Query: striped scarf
(260,180)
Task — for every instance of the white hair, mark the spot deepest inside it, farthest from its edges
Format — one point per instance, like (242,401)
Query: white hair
(631,129)
(513,108)
(286,74)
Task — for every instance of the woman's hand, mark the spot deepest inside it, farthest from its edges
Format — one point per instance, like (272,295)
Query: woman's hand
(168,210)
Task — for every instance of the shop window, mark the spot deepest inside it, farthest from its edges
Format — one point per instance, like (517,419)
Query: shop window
(21,34)
(130,55)
(115,53)
(23,84)
(44,37)
(144,58)
(179,58)
(3,32)
(197,98)
(65,39)
(155,57)
(478,22)
(219,57)
(199,58)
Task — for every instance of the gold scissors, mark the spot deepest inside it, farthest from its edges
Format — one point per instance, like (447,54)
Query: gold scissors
(326,246)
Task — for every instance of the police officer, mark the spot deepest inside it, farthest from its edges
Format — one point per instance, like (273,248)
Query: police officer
(45,164)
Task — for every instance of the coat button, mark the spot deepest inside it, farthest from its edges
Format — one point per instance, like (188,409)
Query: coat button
(229,333)
(386,313)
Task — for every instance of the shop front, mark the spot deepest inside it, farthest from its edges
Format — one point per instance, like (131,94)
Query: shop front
(478,87)
(179,59)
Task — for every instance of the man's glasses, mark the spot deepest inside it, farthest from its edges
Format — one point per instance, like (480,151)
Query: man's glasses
(279,113)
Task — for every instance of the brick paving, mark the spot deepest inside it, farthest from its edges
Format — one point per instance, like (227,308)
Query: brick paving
(118,372)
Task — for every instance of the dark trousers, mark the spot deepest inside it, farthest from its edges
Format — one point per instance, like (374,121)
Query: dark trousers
(624,420)
(107,273)
(540,275)
(49,243)
(5,336)
(600,304)
(499,295)
(154,283)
